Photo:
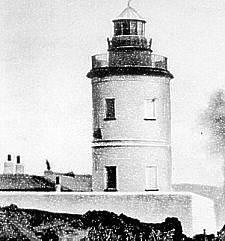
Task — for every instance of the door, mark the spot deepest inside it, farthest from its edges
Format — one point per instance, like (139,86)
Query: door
(151,179)
(111,178)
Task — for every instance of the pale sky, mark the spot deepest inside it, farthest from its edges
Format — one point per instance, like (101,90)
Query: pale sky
(45,97)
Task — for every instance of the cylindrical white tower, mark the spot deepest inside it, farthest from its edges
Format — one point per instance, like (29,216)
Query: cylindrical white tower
(131,112)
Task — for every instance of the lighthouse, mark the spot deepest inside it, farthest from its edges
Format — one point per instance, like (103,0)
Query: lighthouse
(131,147)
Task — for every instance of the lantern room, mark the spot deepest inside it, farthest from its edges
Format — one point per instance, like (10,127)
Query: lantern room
(129,30)
(129,22)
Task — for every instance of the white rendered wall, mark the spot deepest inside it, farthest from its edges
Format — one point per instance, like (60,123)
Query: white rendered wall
(8,167)
(195,212)
(19,169)
(130,142)
(131,162)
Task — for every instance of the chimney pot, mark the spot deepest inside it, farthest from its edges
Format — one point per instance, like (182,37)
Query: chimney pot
(18,159)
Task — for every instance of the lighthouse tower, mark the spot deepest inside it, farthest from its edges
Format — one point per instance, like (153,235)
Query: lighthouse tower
(131,111)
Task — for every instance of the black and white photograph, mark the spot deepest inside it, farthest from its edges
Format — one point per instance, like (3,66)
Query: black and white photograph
(112,120)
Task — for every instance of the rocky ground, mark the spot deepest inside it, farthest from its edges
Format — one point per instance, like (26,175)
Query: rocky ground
(28,224)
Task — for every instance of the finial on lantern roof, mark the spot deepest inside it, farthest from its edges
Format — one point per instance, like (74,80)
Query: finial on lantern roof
(129,13)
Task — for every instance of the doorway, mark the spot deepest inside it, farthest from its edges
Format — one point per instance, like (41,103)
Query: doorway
(151,178)
(111,182)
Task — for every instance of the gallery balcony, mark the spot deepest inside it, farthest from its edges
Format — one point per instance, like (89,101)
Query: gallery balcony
(128,62)
(139,59)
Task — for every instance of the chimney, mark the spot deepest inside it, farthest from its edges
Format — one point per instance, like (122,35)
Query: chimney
(19,166)
(8,166)
(18,159)
(9,158)
(57,184)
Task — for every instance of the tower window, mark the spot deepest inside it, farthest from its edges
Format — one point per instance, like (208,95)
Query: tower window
(151,178)
(117,28)
(110,178)
(140,28)
(133,28)
(126,27)
(110,109)
(150,109)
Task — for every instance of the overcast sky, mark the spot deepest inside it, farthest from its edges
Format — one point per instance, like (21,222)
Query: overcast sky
(45,97)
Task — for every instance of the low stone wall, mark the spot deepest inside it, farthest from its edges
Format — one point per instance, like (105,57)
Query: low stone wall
(78,183)
(24,182)
(194,212)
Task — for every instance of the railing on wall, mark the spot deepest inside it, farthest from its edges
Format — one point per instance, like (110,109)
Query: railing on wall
(156,61)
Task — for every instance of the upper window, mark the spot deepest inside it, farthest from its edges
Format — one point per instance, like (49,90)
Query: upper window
(110,109)
(150,109)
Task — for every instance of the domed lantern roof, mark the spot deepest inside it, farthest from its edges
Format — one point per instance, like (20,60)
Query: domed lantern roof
(129,13)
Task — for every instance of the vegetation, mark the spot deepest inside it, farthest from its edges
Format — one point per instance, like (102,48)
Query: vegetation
(29,224)
(213,119)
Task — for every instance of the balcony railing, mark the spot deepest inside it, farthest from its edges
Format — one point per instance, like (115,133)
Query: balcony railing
(100,60)
(146,60)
